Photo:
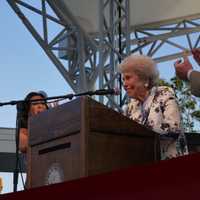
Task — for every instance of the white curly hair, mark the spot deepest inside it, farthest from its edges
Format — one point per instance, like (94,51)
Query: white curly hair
(143,66)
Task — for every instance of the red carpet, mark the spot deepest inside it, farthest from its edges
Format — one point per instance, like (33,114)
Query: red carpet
(172,179)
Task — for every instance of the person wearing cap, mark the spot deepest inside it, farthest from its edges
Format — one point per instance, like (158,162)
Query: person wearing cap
(185,72)
(30,109)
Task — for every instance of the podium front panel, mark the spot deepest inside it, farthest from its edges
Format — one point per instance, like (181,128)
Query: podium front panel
(83,138)
(107,152)
(56,161)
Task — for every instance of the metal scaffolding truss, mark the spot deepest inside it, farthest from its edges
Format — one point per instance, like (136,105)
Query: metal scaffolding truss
(156,35)
(88,60)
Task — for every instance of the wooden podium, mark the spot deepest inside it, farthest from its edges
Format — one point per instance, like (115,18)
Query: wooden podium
(83,138)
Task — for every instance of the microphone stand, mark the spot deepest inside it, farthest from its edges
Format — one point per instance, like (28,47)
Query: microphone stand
(68,96)
(15,102)
(19,106)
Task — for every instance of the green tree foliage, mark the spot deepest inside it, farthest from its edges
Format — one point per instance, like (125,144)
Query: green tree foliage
(188,104)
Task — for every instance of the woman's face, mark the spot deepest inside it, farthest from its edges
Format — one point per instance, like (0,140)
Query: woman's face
(133,85)
(37,107)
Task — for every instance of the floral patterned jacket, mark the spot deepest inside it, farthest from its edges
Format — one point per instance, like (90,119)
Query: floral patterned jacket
(160,112)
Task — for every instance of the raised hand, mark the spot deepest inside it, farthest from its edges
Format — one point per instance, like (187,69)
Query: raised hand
(182,68)
(196,55)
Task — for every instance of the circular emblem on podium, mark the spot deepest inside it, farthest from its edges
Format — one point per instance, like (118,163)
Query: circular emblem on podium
(54,174)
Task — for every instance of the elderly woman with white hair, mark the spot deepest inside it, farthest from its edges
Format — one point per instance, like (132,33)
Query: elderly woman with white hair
(153,106)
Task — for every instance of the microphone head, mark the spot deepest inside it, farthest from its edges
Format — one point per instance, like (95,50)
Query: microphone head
(116,91)
(113,91)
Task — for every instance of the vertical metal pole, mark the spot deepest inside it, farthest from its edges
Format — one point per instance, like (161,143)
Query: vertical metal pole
(101,47)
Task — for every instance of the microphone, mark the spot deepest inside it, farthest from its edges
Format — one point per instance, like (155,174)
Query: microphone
(113,91)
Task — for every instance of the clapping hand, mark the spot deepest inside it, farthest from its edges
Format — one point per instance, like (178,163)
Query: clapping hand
(196,55)
(182,67)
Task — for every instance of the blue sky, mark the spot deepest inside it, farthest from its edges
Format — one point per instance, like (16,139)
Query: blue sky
(24,67)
